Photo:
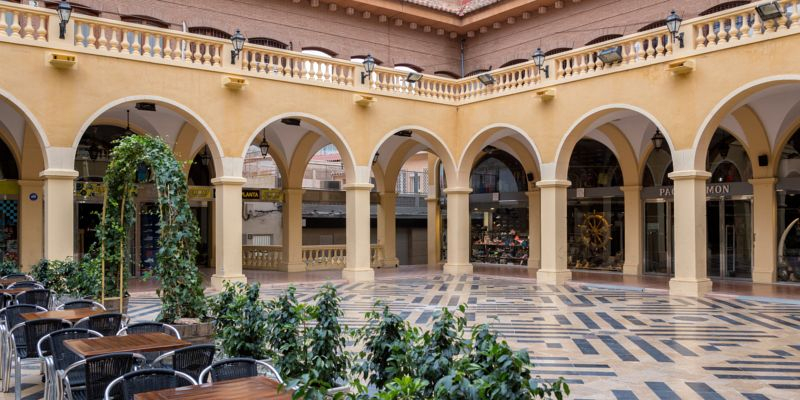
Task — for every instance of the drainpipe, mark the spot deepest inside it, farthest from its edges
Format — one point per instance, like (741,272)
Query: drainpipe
(463,40)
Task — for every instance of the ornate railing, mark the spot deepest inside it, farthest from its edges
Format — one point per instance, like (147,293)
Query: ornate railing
(26,23)
(315,257)
(297,66)
(262,257)
(742,24)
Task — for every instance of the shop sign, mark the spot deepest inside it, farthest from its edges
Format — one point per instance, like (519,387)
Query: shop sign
(8,187)
(90,189)
(712,190)
(251,194)
(273,195)
(201,193)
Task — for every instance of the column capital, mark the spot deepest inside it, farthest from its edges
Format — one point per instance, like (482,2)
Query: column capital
(358,186)
(630,189)
(458,190)
(229,180)
(30,183)
(557,183)
(696,175)
(57,173)
(763,181)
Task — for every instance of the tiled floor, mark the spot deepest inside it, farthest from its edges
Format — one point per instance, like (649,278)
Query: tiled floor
(608,342)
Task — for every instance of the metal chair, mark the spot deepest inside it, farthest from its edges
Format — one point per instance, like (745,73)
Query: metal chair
(78,304)
(18,276)
(107,324)
(190,360)
(26,352)
(37,297)
(235,368)
(99,372)
(25,285)
(147,380)
(149,327)
(58,357)
(10,317)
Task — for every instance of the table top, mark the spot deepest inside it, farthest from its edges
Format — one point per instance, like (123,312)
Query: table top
(69,315)
(6,282)
(256,388)
(14,291)
(137,343)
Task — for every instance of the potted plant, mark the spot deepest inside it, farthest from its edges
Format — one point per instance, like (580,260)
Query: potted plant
(69,279)
(239,321)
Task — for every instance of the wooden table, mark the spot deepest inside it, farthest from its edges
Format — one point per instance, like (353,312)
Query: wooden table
(69,315)
(14,292)
(6,282)
(257,388)
(138,343)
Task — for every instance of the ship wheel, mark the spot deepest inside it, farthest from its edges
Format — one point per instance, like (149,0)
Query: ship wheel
(595,231)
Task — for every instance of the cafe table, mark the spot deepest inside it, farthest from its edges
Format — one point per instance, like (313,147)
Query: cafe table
(6,282)
(136,343)
(14,292)
(255,388)
(69,315)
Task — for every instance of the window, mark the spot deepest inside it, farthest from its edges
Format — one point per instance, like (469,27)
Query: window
(360,59)
(208,31)
(407,68)
(557,50)
(446,74)
(76,8)
(653,25)
(513,62)
(262,41)
(319,51)
(603,38)
(723,6)
(144,20)
(477,72)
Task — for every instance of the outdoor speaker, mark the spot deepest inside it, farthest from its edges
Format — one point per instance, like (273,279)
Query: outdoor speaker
(530,176)
(763,160)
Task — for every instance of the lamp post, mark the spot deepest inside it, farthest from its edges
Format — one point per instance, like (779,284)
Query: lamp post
(658,139)
(64,13)
(538,59)
(237,40)
(369,68)
(264,146)
(674,26)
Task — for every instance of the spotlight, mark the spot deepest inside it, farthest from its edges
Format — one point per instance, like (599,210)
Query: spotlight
(142,106)
(375,159)
(404,133)
(529,175)
(770,10)
(290,121)
(611,55)
(413,77)
(486,79)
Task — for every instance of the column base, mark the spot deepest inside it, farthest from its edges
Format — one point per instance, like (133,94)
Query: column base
(553,277)
(218,281)
(689,287)
(764,277)
(358,275)
(632,269)
(390,262)
(457,269)
(292,267)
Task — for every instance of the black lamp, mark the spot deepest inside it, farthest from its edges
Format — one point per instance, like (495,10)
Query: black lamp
(237,40)
(724,147)
(611,55)
(674,26)
(658,139)
(413,77)
(486,79)
(264,146)
(94,152)
(64,12)
(204,157)
(538,59)
(769,11)
(369,68)
(375,159)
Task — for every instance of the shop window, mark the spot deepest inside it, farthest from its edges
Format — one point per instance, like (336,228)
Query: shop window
(727,159)
(8,167)
(208,31)
(594,165)
(603,38)
(144,20)
(76,8)
(788,201)
(262,41)
(498,172)
(724,6)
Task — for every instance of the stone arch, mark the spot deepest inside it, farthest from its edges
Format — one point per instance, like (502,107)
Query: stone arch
(508,138)
(433,141)
(188,114)
(328,131)
(624,151)
(34,124)
(727,105)
(783,140)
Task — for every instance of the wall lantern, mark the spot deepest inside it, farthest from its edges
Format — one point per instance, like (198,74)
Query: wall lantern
(375,159)
(769,11)
(658,140)
(674,26)
(94,152)
(264,146)
(538,59)
(486,79)
(204,157)
(724,148)
(237,40)
(369,68)
(413,77)
(64,12)
(611,55)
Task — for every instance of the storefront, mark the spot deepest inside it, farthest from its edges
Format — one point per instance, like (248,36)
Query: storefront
(9,205)
(788,202)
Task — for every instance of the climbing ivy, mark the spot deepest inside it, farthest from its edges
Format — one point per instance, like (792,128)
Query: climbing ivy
(135,160)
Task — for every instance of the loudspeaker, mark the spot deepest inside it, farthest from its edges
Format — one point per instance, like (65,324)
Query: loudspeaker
(530,176)
(763,160)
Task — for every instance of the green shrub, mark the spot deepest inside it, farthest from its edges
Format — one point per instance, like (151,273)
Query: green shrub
(8,267)
(69,277)
(239,320)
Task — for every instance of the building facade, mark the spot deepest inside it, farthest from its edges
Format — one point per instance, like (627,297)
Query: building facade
(641,153)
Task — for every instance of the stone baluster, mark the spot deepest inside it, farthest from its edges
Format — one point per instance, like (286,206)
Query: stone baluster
(660,49)
(757,26)
(711,37)
(41,32)
(207,54)
(15,25)
(795,19)
(733,34)
(27,31)
(745,29)
(722,35)
(351,71)
(136,46)
(197,56)
(157,46)
(651,51)
(568,70)
(168,48)
(783,21)
(296,67)
(91,40)
(114,42)
(3,24)
(102,42)
(79,38)
(700,41)
(217,60)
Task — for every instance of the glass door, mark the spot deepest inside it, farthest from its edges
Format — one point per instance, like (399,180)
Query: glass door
(730,238)
(658,220)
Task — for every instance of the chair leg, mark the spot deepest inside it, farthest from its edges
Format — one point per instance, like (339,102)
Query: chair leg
(18,380)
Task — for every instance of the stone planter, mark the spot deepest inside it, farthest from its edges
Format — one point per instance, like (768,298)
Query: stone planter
(194,331)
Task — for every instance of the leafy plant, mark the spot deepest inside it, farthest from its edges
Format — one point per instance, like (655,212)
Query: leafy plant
(239,320)
(69,277)
(181,289)
(8,267)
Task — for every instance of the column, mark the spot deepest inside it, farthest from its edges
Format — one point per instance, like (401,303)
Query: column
(31,223)
(359,254)
(458,226)
(691,274)
(228,230)
(633,230)
(292,231)
(59,224)
(387,229)
(554,232)
(434,229)
(765,230)
(534,228)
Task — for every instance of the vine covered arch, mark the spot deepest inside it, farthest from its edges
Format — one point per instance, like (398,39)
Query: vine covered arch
(142,159)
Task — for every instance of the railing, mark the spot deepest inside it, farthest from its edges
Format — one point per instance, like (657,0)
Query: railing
(297,66)
(25,23)
(145,41)
(262,257)
(315,257)
(511,78)
(394,81)
(743,24)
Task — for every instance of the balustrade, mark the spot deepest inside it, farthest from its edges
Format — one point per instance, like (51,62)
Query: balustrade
(315,257)
(743,24)
(297,66)
(262,257)
(23,22)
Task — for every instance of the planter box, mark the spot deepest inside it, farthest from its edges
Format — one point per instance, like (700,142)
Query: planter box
(195,332)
